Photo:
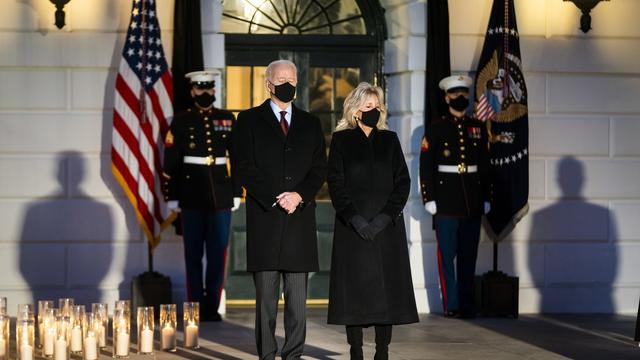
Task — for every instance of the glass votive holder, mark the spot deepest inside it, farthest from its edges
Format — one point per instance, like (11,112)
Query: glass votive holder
(123,304)
(91,326)
(42,306)
(4,336)
(101,313)
(61,347)
(3,306)
(75,329)
(25,312)
(121,333)
(168,327)
(191,317)
(25,339)
(145,325)
(64,306)
(49,330)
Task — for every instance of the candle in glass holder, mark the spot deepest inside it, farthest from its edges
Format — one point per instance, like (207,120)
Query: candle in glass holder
(102,323)
(168,326)
(61,345)
(3,306)
(75,336)
(121,333)
(42,306)
(25,339)
(145,323)
(64,306)
(4,336)
(89,336)
(191,317)
(49,317)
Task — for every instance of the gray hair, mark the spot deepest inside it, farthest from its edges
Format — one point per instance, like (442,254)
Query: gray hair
(268,73)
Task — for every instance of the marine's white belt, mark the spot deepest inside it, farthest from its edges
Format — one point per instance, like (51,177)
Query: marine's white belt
(205,160)
(458,169)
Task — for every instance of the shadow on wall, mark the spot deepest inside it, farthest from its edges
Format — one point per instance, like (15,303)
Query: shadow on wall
(54,250)
(580,253)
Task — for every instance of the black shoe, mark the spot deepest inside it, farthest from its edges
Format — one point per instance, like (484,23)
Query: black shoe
(452,314)
(467,315)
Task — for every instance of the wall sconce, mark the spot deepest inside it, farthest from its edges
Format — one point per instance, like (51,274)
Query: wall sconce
(585,6)
(60,12)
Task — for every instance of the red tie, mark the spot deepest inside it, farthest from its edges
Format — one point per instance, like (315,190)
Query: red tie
(283,123)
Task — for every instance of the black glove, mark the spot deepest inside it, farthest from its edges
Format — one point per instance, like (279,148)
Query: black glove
(359,224)
(377,225)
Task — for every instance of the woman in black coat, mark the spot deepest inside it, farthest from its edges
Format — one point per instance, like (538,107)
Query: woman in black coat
(369,186)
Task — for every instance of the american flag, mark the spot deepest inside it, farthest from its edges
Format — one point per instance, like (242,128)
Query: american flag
(484,111)
(142,114)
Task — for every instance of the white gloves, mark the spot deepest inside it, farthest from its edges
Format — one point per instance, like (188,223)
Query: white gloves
(431,207)
(487,207)
(236,204)
(172,205)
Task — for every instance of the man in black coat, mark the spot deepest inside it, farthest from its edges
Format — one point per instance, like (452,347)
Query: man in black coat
(281,162)
(198,183)
(456,190)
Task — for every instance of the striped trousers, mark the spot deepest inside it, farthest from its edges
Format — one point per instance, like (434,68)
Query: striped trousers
(295,322)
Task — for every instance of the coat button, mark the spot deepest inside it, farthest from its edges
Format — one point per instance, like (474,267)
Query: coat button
(287,149)
(288,178)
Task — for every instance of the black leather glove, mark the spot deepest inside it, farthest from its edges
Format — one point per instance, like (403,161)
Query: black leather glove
(377,225)
(359,224)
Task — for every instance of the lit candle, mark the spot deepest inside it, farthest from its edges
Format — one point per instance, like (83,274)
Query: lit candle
(122,349)
(26,352)
(60,352)
(49,340)
(168,338)
(102,335)
(191,336)
(146,341)
(76,339)
(90,347)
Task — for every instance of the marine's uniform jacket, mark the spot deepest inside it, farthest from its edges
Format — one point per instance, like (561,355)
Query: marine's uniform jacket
(201,136)
(454,166)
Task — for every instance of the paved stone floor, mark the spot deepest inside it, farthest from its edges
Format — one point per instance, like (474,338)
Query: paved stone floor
(435,337)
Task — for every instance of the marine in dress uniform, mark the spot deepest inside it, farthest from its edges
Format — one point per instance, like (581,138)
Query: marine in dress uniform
(198,183)
(456,191)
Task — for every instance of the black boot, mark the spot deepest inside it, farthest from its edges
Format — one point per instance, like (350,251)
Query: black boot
(354,338)
(383,338)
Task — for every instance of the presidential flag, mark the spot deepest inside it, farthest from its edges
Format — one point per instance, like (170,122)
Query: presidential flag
(501,101)
(141,117)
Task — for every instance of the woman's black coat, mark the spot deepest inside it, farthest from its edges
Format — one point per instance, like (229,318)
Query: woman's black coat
(370,281)
(268,163)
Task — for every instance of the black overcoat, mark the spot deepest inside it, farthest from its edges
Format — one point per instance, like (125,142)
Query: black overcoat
(370,281)
(267,164)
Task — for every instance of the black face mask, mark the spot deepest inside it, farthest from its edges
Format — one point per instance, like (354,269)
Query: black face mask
(459,104)
(284,92)
(370,118)
(205,100)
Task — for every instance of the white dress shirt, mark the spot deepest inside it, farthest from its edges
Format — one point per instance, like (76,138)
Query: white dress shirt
(276,110)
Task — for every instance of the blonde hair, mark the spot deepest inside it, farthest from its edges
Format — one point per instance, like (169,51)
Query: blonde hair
(355,100)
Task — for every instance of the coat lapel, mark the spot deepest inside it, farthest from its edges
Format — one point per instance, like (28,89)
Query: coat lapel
(270,118)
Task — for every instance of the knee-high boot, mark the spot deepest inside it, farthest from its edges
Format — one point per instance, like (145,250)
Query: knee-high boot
(354,338)
(383,338)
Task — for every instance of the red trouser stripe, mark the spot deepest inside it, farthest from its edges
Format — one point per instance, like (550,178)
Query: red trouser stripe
(443,284)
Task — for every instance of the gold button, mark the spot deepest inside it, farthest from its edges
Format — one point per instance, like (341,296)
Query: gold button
(210,149)
(462,156)
(462,148)
(206,125)
(460,133)
(446,144)
(224,136)
(206,118)
(459,126)
(208,132)
(461,140)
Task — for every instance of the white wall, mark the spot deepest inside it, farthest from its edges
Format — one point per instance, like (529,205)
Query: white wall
(576,251)
(66,229)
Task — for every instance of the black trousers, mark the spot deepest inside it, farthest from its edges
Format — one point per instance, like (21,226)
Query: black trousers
(295,322)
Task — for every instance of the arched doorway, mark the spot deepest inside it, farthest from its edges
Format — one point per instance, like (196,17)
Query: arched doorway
(336,44)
